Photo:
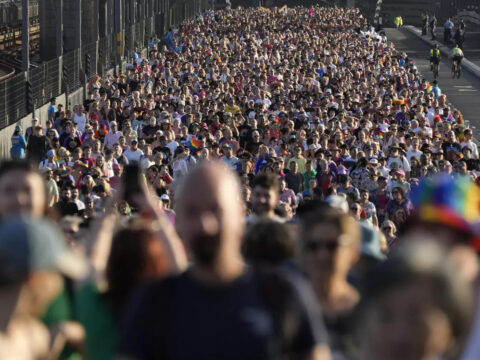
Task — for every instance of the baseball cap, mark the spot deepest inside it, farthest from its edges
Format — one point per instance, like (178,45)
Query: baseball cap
(373,160)
(133,141)
(371,242)
(165,197)
(28,245)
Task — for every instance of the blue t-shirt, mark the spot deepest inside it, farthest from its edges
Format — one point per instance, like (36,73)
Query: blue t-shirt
(18,147)
(51,111)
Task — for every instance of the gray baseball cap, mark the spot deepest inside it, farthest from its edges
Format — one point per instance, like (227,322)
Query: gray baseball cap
(28,245)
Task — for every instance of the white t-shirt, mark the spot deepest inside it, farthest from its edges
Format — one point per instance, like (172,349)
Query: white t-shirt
(399,163)
(133,156)
(80,121)
(472,146)
(145,163)
(172,145)
(412,153)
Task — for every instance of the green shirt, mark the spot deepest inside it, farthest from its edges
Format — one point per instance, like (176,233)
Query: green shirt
(308,175)
(101,328)
(61,310)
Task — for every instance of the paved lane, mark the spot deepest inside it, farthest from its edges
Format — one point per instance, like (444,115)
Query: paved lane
(463,93)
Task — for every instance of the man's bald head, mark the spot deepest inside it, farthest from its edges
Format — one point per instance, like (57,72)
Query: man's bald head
(210,217)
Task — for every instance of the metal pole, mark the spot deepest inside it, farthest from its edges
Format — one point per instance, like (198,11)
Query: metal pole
(25,37)
(118,30)
(58,8)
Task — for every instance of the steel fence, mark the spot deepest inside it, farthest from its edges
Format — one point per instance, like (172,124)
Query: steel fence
(52,78)
(89,58)
(3,105)
(72,66)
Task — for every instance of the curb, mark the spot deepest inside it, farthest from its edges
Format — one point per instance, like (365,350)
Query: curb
(466,64)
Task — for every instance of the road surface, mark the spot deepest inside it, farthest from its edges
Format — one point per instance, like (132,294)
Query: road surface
(463,93)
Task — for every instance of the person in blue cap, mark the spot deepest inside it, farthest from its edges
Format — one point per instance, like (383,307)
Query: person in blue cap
(17,151)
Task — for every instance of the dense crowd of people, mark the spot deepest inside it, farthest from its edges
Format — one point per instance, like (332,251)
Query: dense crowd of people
(259,184)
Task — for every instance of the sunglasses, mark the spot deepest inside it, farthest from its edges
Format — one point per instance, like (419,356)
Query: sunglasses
(329,245)
(313,246)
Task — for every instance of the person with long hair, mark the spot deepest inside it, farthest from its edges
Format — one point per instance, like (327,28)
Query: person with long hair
(399,206)
(136,255)
(143,250)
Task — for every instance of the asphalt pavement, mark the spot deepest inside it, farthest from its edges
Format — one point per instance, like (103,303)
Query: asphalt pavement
(463,93)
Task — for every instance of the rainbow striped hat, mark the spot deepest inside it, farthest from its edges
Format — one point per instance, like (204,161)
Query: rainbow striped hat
(452,201)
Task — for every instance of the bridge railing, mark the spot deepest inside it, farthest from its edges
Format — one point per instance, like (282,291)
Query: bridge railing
(52,78)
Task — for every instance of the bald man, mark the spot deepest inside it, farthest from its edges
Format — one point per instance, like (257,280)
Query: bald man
(219,308)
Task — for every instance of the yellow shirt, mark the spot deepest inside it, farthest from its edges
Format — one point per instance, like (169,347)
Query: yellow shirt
(301,162)
(232,109)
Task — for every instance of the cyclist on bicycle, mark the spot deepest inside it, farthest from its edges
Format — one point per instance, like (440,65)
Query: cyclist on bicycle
(457,55)
(435,56)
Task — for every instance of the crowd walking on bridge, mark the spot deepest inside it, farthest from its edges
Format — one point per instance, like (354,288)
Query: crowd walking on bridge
(258,184)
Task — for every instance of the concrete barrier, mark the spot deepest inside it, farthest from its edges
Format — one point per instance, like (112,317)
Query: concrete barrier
(445,50)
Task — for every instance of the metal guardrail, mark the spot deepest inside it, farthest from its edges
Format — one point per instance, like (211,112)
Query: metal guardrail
(52,78)
(470,16)
(10,72)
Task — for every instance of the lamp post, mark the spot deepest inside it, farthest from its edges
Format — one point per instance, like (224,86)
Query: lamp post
(25,36)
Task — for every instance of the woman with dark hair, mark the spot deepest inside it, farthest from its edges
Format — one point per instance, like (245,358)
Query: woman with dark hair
(136,254)
(37,145)
(399,207)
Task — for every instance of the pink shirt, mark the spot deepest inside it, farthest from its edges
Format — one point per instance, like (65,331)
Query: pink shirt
(288,196)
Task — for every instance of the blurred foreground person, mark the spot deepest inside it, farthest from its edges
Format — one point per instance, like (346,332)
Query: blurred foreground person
(414,307)
(219,308)
(447,209)
(145,248)
(269,242)
(136,255)
(22,190)
(33,259)
(330,246)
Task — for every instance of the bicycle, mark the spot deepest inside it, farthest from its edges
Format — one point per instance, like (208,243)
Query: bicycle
(456,69)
